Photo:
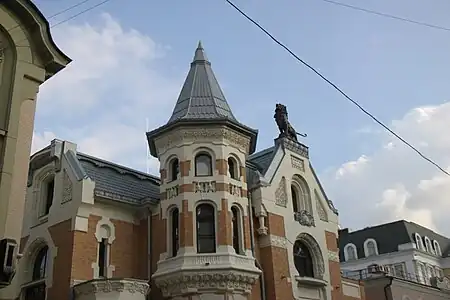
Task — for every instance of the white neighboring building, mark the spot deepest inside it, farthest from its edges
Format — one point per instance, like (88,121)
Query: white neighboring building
(402,249)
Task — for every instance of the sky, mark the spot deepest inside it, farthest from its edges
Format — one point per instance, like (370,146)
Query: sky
(129,62)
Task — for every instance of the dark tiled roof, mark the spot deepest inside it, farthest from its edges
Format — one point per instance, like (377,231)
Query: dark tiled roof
(262,159)
(119,180)
(201,96)
(388,237)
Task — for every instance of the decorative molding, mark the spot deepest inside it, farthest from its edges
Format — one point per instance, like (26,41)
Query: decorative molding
(216,261)
(333,255)
(172,192)
(320,208)
(273,241)
(304,218)
(280,193)
(441,283)
(232,281)
(105,222)
(204,187)
(293,146)
(235,190)
(297,163)
(188,135)
(131,286)
(316,253)
(67,188)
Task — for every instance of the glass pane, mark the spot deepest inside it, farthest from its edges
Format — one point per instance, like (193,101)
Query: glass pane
(203,165)
(36,292)
(206,245)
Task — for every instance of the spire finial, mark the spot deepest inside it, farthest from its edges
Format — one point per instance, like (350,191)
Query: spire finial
(200,53)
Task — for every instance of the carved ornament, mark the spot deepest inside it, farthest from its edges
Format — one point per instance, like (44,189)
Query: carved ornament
(333,256)
(273,241)
(232,281)
(204,186)
(67,188)
(305,218)
(172,192)
(441,283)
(293,146)
(280,193)
(298,163)
(320,209)
(111,285)
(235,190)
(187,135)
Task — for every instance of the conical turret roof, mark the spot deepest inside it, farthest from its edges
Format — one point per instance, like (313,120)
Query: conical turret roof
(201,96)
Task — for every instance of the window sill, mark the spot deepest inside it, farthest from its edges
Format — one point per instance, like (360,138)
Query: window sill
(42,219)
(301,280)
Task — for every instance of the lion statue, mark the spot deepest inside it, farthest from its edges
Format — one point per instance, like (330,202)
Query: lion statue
(281,118)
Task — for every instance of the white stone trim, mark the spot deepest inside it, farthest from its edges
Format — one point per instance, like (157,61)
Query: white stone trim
(105,221)
(273,241)
(333,255)
(112,236)
(105,286)
(366,249)
(350,245)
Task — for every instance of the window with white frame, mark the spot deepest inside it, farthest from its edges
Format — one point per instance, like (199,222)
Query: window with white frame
(203,164)
(174,169)
(301,196)
(428,245)
(437,248)
(174,231)
(350,252)
(236,222)
(370,247)
(233,168)
(419,242)
(105,235)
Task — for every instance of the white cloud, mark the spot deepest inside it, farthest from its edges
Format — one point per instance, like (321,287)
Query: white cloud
(102,99)
(393,182)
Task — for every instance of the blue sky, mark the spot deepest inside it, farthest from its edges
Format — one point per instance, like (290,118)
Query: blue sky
(392,68)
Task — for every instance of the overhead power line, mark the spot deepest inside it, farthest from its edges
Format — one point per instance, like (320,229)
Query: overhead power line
(337,89)
(64,20)
(381,14)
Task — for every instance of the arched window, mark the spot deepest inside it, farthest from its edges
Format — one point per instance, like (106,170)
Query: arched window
(419,242)
(237,236)
(428,245)
(301,197)
(350,252)
(175,236)
(47,190)
(303,260)
(174,169)
(37,289)
(437,248)
(206,229)
(294,199)
(233,168)
(203,165)
(370,247)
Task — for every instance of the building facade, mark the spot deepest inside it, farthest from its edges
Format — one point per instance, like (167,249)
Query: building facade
(402,249)
(28,57)
(221,221)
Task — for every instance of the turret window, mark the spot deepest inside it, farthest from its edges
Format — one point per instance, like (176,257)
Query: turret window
(206,229)
(233,168)
(203,165)
(174,169)
(175,235)
(237,233)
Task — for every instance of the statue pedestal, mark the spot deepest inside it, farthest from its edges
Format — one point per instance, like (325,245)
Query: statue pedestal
(292,145)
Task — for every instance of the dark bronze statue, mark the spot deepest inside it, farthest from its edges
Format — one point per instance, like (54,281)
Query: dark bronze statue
(286,129)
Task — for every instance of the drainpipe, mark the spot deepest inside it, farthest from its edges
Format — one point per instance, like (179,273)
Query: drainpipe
(149,250)
(386,288)
(262,283)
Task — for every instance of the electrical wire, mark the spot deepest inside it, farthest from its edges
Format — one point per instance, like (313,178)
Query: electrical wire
(56,14)
(375,119)
(381,14)
(64,20)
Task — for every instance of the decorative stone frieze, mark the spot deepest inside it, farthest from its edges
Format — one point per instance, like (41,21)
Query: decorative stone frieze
(204,186)
(67,188)
(333,256)
(235,190)
(297,163)
(273,241)
(304,218)
(280,193)
(198,135)
(293,146)
(172,192)
(319,206)
(106,286)
(441,283)
(203,281)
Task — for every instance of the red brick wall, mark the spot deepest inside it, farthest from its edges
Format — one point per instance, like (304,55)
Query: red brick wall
(334,266)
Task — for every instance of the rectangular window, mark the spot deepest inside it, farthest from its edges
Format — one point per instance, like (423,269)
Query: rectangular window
(103,258)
